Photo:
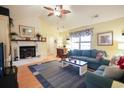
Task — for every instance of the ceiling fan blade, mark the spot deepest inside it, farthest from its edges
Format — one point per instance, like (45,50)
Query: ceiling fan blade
(48,8)
(50,14)
(66,11)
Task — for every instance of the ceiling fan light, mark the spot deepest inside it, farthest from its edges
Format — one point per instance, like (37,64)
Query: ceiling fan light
(57,13)
(57,8)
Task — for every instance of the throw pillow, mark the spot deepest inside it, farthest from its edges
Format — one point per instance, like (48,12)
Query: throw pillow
(114,60)
(121,62)
(113,72)
(99,55)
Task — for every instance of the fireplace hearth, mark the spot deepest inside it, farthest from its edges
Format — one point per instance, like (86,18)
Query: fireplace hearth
(27,51)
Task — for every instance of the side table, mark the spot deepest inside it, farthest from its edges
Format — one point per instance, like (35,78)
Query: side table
(9,80)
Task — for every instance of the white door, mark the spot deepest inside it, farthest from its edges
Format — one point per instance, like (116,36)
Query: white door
(52,46)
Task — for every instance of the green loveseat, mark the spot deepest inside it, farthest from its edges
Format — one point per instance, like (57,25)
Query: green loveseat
(96,80)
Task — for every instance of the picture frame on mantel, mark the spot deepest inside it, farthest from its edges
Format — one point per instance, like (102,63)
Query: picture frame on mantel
(26,31)
(105,38)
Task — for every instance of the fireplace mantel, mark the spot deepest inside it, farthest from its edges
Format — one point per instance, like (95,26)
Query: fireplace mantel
(21,40)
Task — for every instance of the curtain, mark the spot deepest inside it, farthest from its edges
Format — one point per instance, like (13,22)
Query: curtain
(86,32)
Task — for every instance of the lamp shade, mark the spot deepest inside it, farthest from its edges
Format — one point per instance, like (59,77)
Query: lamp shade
(121,46)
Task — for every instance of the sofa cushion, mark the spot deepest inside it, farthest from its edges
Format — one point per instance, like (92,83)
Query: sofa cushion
(79,52)
(99,72)
(113,72)
(92,60)
(93,53)
(73,53)
(102,68)
(76,52)
(79,58)
(86,53)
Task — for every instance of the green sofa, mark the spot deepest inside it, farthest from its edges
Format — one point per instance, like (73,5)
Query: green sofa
(88,56)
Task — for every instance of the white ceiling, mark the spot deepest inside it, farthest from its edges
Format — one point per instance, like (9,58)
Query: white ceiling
(81,14)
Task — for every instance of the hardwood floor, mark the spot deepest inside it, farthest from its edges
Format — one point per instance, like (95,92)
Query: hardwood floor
(25,77)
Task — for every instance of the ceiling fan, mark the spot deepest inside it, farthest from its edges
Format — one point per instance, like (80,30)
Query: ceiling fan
(57,11)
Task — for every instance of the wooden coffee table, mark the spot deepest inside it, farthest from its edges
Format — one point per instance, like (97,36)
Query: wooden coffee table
(77,63)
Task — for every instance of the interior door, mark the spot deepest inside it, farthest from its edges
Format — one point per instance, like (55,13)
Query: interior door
(52,46)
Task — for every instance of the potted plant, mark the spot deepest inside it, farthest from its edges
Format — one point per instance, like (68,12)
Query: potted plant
(13,35)
(38,36)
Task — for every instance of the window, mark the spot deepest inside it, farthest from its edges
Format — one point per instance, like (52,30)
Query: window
(81,42)
(85,42)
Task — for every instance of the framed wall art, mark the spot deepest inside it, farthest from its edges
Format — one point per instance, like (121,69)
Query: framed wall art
(105,39)
(26,31)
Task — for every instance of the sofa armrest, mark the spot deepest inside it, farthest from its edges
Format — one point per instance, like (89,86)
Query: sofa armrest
(104,62)
(69,53)
(94,81)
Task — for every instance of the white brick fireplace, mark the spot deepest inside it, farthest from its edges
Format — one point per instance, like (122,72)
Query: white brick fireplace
(16,52)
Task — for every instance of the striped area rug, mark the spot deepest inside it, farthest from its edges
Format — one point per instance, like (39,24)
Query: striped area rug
(52,75)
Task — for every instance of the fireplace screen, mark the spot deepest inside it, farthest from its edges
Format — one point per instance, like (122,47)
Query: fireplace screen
(27,51)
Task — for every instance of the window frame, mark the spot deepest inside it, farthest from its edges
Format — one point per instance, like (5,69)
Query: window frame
(79,42)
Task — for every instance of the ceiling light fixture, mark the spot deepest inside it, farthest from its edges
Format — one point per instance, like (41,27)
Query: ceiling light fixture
(57,13)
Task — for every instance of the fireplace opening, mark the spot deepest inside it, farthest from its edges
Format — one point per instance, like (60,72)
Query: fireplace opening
(27,51)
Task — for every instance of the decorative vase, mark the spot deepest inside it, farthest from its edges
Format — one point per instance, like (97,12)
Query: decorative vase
(38,38)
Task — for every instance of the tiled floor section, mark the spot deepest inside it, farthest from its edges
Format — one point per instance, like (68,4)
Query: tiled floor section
(25,77)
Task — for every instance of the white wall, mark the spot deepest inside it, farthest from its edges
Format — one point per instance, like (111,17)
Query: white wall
(4,37)
(32,22)
(44,28)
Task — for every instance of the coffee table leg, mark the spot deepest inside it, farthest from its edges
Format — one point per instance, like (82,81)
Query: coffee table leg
(64,64)
(82,70)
